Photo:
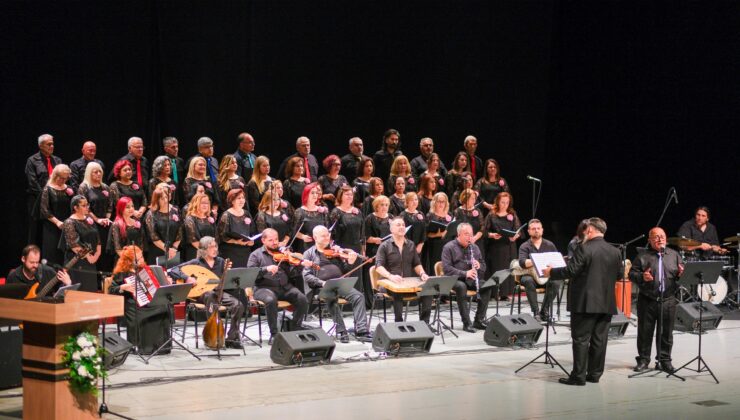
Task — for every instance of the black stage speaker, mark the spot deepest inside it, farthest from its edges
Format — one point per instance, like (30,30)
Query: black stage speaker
(403,337)
(118,350)
(687,317)
(618,325)
(11,349)
(299,347)
(510,330)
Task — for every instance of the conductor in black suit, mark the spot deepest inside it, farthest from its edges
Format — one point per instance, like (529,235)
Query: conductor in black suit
(593,272)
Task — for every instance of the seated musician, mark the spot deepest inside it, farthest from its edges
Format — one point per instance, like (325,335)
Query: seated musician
(334,267)
(272,283)
(31,271)
(207,257)
(396,259)
(147,327)
(701,230)
(534,245)
(462,258)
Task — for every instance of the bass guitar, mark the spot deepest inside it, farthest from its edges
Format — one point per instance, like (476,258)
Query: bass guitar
(33,293)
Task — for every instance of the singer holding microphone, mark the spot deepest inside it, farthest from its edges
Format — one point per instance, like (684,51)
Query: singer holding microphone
(462,258)
(656,271)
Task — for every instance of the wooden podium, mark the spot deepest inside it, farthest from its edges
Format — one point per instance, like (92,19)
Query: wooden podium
(46,327)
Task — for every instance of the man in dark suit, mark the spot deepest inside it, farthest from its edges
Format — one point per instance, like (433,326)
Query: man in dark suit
(310,163)
(593,270)
(352,160)
(38,170)
(245,156)
(139,163)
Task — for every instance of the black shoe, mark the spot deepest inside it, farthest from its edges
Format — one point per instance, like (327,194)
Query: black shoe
(571,381)
(592,379)
(667,366)
(271,340)
(642,366)
(469,328)
(365,337)
(234,344)
(344,337)
(480,325)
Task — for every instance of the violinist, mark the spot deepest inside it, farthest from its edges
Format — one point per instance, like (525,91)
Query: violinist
(273,284)
(207,257)
(333,263)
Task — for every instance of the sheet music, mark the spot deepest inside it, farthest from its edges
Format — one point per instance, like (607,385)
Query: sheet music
(543,259)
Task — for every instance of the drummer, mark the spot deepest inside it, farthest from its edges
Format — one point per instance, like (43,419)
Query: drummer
(397,259)
(699,229)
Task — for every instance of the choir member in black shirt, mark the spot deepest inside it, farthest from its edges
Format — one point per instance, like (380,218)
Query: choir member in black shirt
(197,176)
(534,245)
(375,190)
(308,216)
(475,164)
(39,168)
(199,222)
(416,219)
(277,189)
(401,169)
(346,221)
(427,189)
(139,163)
(124,186)
(501,248)
(147,327)
(179,170)
(436,170)
(469,212)
(79,166)
(273,283)
(259,183)
(80,233)
(377,227)
(125,230)
(310,164)
(361,183)
(31,272)
(398,198)
(100,206)
(331,181)
(229,180)
(354,158)
(272,215)
(383,158)
(701,230)
(452,179)
(245,156)
(438,219)
(577,239)
(465,181)
(234,228)
(54,210)
(294,181)
(490,185)
(205,151)
(161,174)
(163,226)
(419,164)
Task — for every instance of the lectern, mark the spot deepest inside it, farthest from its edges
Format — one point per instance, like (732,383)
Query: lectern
(46,327)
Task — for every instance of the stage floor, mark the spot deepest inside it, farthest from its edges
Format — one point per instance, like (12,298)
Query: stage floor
(461,379)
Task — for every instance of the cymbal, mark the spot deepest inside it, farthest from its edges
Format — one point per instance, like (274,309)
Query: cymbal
(731,247)
(731,239)
(683,242)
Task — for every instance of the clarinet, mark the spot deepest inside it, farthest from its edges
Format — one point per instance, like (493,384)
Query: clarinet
(477,283)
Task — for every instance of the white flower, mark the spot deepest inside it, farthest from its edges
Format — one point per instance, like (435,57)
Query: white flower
(89,351)
(76,356)
(82,371)
(82,341)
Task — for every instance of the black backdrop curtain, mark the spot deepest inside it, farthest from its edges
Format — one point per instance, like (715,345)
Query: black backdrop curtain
(609,103)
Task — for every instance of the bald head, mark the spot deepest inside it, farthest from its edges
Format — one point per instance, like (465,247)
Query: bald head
(657,238)
(88,150)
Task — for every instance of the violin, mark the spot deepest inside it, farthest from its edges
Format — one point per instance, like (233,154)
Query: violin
(292,258)
(336,252)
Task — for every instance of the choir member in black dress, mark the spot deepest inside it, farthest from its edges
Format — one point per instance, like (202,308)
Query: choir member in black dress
(272,215)
(435,169)
(331,181)
(453,175)
(376,189)
(277,189)
(308,216)
(124,186)
(80,233)
(413,217)
(234,227)
(420,164)
(259,183)
(501,248)
(377,226)
(401,169)
(347,221)
(54,209)
(100,205)
(490,185)
(427,188)
(465,181)
(383,158)
(147,327)
(31,272)
(125,230)
(163,225)
(199,222)
(229,180)
(161,173)
(39,168)
(361,183)
(398,198)
(469,212)
(294,181)
(437,220)
(197,176)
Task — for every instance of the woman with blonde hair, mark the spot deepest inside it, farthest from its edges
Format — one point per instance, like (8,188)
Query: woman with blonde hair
(163,225)
(53,210)
(401,168)
(438,220)
(199,222)
(271,214)
(259,183)
(197,175)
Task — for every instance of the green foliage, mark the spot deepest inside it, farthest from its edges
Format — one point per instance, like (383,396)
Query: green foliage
(84,358)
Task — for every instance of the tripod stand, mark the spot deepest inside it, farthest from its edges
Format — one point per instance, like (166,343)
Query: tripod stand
(549,358)
(103,409)
(164,296)
(436,287)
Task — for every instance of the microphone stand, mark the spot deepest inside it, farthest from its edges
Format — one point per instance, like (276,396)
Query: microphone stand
(671,193)
(535,201)
(137,280)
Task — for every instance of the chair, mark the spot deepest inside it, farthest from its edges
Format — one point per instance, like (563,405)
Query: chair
(439,271)
(195,308)
(260,306)
(517,273)
(374,278)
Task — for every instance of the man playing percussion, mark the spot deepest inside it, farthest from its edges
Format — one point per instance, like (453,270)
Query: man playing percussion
(701,230)
(534,245)
(647,272)
(397,259)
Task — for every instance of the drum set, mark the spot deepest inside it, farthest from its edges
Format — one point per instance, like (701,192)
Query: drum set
(717,293)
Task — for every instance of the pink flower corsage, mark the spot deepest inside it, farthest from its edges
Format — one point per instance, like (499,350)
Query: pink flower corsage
(284,217)
(322,209)
(241,184)
(510,217)
(69,191)
(448,218)
(106,193)
(211,219)
(172,187)
(247,221)
(283,204)
(175,218)
(89,221)
(354,210)
(501,182)
(475,213)
(135,186)
(419,216)
(137,224)
(306,181)
(441,181)
(411,181)
(208,185)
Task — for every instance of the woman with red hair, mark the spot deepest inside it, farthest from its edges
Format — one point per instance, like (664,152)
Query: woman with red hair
(308,216)
(124,186)
(501,245)
(125,230)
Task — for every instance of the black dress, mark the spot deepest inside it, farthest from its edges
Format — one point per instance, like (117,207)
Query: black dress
(147,327)
(304,221)
(432,251)
(450,184)
(477,220)
(500,252)
(55,203)
(134,191)
(157,229)
(367,205)
(116,242)
(439,179)
(362,190)
(347,232)
(81,233)
(190,187)
(282,223)
(398,205)
(418,223)
(195,228)
(411,183)
(254,195)
(378,227)
(234,183)
(100,205)
(331,186)
(425,204)
(293,191)
(489,190)
(235,227)
(173,189)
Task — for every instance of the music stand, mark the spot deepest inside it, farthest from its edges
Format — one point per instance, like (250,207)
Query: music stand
(334,288)
(496,279)
(241,278)
(437,287)
(64,289)
(165,296)
(166,263)
(700,273)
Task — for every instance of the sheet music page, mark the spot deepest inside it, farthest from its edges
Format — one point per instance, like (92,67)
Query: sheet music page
(543,259)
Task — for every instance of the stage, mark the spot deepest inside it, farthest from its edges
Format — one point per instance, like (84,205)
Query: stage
(461,379)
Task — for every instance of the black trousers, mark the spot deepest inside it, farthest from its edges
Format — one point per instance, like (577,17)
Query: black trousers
(461,288)
(235,308)
(551,290)
(270,298)
(425,306)
(357,301)
(590,334)
(648,311)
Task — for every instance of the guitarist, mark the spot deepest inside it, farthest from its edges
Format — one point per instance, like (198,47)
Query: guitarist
(32,271)
(207,257)
(536,244)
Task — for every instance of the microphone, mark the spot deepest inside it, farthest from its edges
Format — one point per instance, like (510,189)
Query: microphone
(44,261)
(675,195)
(531,178)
